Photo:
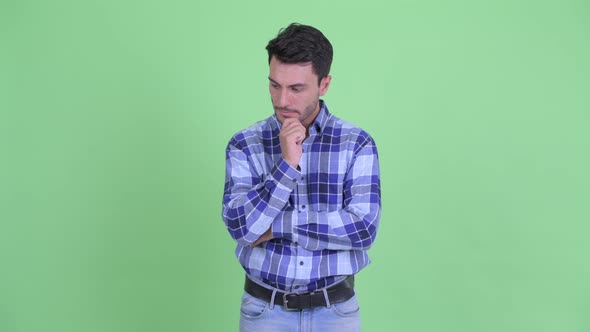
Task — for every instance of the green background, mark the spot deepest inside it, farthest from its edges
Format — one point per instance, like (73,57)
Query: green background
(114,116)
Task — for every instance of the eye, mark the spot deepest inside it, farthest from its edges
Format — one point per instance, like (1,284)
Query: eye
(274,85)
(296,89)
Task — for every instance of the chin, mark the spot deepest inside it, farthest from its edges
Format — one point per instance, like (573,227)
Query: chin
(282,117)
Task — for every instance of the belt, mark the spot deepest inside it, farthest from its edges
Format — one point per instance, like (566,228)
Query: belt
(338,293)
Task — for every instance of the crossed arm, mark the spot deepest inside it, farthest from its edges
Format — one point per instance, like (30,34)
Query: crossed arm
(256,206)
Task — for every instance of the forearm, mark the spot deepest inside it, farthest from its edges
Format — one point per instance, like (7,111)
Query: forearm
(345,229)
(249,210)
(350,225)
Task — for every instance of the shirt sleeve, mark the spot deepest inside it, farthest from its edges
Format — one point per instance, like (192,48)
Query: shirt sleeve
(354,226)
(252,201)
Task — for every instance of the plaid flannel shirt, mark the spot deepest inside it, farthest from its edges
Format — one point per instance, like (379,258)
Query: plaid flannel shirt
(323,217)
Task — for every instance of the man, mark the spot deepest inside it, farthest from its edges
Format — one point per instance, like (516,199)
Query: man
(302,197)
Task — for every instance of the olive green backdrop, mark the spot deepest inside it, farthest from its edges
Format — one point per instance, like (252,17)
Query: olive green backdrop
(114,117)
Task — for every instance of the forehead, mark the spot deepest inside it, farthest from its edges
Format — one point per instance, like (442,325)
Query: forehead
(289,73)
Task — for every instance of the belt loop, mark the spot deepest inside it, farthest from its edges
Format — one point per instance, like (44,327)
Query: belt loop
(272,299)
(325,291)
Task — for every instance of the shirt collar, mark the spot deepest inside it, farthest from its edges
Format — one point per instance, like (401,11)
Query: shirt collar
(322,119)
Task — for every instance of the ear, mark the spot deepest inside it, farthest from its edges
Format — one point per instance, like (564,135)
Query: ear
(325,84)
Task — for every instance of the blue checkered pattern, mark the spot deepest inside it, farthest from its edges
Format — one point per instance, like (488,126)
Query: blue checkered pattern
(323,217)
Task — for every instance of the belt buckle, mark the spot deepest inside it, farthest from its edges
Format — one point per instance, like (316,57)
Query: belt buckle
(286,302)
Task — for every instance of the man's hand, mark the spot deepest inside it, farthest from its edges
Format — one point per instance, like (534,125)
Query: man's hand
(263,238)
(291,136)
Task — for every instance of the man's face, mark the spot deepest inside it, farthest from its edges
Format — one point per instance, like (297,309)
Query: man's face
(295,92)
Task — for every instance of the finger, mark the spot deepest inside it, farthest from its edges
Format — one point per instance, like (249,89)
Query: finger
(295,137)
(293,126)
(290,122)
(293,132)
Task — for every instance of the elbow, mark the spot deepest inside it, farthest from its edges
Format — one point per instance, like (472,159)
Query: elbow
(364,238)
(237,228)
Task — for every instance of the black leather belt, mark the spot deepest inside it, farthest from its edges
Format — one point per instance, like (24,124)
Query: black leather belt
(338,293)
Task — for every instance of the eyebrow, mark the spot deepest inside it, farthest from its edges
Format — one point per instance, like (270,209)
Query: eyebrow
(296,85)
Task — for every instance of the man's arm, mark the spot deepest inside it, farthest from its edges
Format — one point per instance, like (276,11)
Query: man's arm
(250,203)
(354,227)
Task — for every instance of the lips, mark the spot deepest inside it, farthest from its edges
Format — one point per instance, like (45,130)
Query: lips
(288,113)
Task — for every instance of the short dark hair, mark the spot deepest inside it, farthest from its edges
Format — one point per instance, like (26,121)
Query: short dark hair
(300,43)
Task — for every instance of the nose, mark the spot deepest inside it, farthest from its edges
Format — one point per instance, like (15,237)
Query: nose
(282,98)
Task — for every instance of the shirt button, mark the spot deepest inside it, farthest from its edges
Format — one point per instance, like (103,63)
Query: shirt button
(303,206)
(301,263)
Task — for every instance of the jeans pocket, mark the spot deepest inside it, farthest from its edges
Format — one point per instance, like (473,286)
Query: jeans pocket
(347,308)
(253,308)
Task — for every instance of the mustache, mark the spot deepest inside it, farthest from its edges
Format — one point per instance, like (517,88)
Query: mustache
(277,108)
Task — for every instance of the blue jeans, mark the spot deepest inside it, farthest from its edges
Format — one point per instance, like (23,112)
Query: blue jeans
(260,316)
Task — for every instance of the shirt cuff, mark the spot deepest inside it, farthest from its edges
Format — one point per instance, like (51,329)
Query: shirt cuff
(285,174)
(286,177)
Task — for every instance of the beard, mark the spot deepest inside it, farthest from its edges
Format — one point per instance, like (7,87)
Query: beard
(302,116)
